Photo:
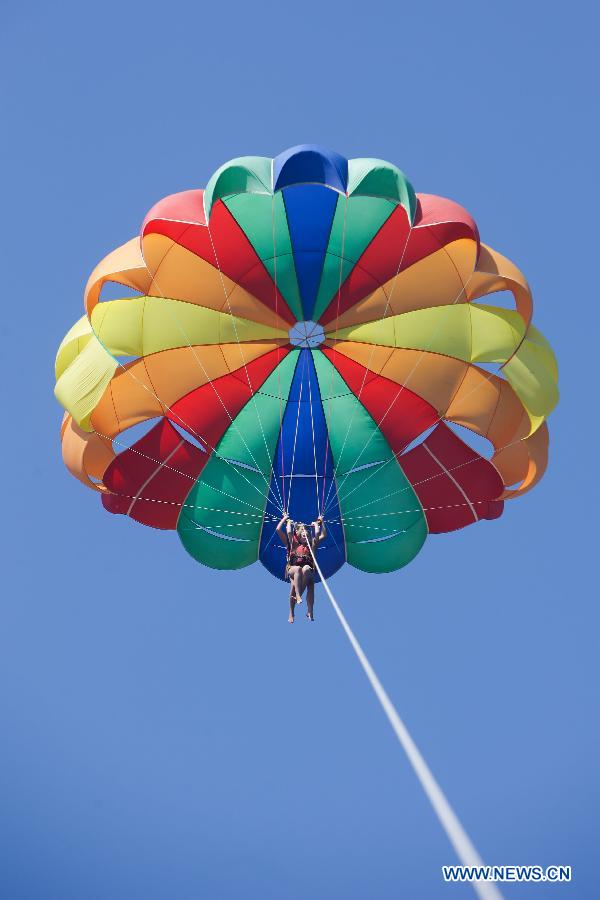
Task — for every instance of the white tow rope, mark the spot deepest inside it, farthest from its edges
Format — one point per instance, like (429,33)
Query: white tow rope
(449,821)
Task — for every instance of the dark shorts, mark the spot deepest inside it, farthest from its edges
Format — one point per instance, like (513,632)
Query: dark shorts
(300,561)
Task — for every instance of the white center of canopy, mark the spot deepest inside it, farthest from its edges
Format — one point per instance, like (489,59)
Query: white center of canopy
(307,334)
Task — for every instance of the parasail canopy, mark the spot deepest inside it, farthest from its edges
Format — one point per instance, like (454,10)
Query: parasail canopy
(307,334)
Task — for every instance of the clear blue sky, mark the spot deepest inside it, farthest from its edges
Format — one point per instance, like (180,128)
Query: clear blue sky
(165,734)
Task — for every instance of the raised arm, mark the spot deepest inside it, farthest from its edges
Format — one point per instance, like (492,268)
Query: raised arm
(319,532)
(281,533)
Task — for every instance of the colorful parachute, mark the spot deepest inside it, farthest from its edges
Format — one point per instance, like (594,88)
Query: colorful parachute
(305,334)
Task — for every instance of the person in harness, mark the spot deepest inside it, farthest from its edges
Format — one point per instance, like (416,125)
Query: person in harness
(300,544)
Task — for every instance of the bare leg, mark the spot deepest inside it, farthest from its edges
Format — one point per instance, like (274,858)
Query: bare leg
(295,578)
(309,582)
(293,596)
(298,582)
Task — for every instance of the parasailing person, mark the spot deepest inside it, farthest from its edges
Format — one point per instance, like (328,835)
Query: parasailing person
(301,545)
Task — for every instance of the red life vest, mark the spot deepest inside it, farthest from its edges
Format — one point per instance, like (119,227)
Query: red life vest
(299,552)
